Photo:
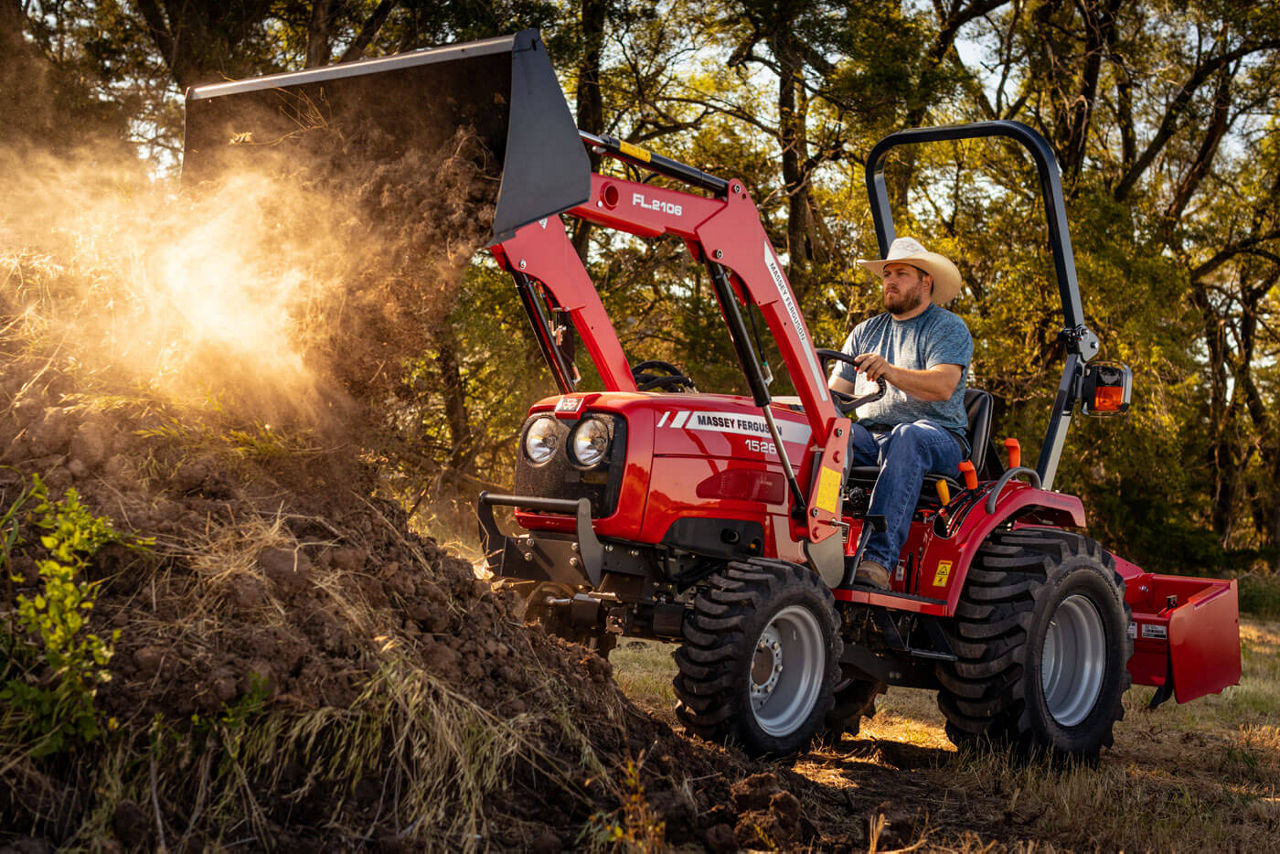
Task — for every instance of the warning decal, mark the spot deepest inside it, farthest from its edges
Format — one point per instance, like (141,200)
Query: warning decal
(942,573)
(1154,631)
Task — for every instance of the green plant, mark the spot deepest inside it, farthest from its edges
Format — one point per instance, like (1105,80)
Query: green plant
(54,696)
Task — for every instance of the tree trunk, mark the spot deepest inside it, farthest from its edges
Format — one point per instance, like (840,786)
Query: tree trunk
(319,33)
(792,113)
(454,391)
(590,99)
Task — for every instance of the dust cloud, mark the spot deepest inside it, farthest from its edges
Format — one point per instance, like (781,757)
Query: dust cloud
(276,294)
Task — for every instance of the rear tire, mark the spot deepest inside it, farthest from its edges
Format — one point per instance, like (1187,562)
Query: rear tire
(1042,644)
(760,658)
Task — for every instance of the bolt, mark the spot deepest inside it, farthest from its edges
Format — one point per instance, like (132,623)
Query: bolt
(814,512)
(839,432)
(573,561)
(718,254)
(531,542)
(608,547)
(573,547)
(736,187)
(528,556)
(635,553)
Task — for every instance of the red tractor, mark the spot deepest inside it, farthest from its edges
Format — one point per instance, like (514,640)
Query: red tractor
(728,524)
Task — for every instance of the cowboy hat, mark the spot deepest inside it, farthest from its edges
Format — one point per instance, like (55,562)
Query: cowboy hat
(908,250)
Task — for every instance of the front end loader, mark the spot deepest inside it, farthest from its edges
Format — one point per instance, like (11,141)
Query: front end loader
(730,525)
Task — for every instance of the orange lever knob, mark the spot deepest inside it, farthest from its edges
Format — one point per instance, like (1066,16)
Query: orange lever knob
(1014,450)
(970,475)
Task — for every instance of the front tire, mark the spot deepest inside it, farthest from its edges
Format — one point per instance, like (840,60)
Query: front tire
(760,658)
(1042,645)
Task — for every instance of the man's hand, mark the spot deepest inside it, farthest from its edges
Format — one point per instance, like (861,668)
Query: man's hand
(875,366)
(936,383)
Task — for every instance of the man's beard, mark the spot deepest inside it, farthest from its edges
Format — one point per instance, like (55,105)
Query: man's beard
(903,302)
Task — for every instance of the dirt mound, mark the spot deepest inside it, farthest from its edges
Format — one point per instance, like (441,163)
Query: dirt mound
(308,668)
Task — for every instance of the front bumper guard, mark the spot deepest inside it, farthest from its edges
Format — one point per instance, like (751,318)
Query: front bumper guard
(548,557)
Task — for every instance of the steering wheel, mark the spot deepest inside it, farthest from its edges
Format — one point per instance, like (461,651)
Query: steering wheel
(668,378)
(847,403)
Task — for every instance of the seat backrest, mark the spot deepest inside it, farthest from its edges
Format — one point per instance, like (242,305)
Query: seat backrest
(978,406)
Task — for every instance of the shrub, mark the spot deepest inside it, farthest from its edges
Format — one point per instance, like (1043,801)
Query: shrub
(60,664)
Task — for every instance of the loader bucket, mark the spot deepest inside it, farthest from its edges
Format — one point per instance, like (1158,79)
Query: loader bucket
(504,88)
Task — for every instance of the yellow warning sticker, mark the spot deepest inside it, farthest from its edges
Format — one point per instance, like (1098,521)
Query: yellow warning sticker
(942,573)
(633,151)
(829,490)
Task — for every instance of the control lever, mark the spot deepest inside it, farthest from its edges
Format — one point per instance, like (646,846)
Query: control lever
(870,524)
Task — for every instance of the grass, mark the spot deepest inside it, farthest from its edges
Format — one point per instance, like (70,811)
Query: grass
(643,670)
(1199,776)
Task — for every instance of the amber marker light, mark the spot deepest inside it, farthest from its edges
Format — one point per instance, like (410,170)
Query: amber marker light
(1108,398)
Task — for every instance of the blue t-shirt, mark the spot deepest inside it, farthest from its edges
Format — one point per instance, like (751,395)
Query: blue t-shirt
(935,336)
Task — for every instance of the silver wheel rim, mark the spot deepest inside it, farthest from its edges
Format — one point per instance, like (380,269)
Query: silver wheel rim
(787,670)
(1074,660)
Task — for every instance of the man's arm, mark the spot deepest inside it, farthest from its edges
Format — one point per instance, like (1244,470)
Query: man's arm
(841,384)
(936,383)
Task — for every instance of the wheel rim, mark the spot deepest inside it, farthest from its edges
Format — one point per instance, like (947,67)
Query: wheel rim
(787,670)
(1074,660)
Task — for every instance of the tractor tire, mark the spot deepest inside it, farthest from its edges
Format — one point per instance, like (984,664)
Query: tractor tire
(855,699)
(1041,636)
(760,659)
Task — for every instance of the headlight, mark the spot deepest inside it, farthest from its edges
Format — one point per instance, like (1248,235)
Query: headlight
(589,441)
(540,441)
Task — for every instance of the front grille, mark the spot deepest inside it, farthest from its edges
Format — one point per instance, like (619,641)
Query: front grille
(559,477)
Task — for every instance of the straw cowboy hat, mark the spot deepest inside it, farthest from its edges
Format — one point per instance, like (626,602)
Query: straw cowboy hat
(908,250)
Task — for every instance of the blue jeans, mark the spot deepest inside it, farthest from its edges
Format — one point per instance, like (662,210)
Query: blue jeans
(904,455)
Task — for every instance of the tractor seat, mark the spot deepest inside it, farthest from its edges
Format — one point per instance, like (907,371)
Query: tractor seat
(978,405)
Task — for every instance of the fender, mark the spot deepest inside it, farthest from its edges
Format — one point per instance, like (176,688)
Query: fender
(950,544)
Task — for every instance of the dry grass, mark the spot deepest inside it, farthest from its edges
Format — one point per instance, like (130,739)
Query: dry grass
(1200,776)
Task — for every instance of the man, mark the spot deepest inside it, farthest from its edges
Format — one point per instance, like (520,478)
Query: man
(922,352)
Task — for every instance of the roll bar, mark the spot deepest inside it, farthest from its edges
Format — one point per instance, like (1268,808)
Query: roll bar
(1081,342)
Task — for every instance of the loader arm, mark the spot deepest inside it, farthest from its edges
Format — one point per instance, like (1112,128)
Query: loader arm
(726,234)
